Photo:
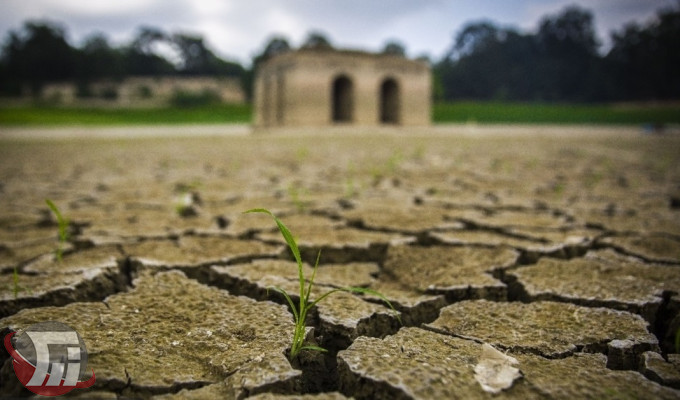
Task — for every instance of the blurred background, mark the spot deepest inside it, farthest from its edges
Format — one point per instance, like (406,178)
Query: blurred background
(148,61)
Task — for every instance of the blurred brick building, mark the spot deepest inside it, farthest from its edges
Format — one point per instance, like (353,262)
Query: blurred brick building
(321,87)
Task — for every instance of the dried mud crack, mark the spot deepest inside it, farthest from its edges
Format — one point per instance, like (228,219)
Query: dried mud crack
(561,252)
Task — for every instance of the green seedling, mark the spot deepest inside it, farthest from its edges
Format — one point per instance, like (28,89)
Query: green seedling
(302,154)
(393,162)
(352,188)
(295,192)
(63,228)
(419,152)
(300,312)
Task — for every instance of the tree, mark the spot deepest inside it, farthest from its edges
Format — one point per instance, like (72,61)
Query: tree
(38,54)
(98,60)
(394,48)
(568,55)
(488,62)
(569,32)
(140,57)
(559,62)
(474,38)
(197,59)
(147,37)
(644,60)
(317,40)
(275,46)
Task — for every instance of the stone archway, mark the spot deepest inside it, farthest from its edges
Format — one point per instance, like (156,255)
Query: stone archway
(389,102)
(342,99)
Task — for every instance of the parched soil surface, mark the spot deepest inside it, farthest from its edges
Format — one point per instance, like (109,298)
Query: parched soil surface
(557,246)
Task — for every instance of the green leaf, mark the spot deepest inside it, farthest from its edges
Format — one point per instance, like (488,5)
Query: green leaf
(63,226)
(290,302)
(311,281)
(287,236)
(290,240)
(315,348)
(61,221)
(323,296)
(374,293)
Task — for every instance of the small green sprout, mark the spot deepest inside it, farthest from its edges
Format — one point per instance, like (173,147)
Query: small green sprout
(63,228)
(300,312)
(296,192)
(419,152)
(302,154)
(351,189)
(393,162)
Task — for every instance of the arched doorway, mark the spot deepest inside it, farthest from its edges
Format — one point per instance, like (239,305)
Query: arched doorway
(389,101)
(343,102)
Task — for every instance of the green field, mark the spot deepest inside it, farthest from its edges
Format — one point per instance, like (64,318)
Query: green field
(538,113)
(461,112)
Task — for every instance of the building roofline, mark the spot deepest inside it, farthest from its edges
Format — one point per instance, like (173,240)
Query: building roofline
(342,52)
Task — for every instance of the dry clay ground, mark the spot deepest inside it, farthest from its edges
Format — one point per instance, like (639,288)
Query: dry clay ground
(558,246)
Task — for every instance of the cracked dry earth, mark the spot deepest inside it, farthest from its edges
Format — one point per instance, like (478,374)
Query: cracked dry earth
(560,250)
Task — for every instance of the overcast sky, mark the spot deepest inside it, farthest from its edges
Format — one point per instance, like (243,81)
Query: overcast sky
(238,29)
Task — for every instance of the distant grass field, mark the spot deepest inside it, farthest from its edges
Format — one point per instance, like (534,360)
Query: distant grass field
(538,113)
(460,112)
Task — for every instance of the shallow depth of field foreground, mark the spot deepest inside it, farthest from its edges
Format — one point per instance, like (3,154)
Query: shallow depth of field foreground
(558,247)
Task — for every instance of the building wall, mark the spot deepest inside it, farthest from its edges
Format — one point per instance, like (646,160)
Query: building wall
(296,89)
(145,91)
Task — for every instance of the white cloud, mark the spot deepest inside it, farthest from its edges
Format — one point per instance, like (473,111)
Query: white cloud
(237,28)
(99,8)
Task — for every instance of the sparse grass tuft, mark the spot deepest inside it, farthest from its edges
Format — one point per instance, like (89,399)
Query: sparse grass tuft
(300,311)
(63,228)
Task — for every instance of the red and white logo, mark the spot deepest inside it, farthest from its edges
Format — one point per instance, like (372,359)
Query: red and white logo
(49,358)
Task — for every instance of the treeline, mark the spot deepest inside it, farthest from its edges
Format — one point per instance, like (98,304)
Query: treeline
(561,61)
(39,54)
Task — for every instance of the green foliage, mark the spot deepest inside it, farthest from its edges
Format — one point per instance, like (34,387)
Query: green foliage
(317,40)
(83,90)
(459,112)
(393,162)
(560,61)
(305,304)
(39,53)
(109,93)
(144,92)
(550,113)
(62,224)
